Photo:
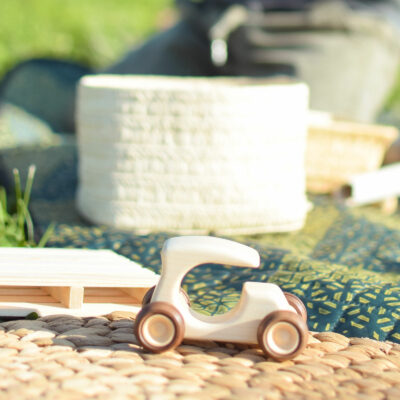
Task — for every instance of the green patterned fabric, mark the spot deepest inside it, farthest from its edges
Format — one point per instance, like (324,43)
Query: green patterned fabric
(344,264)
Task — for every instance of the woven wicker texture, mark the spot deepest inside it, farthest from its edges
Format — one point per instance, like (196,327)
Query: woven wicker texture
(338,150)
(192,154)
(63,357)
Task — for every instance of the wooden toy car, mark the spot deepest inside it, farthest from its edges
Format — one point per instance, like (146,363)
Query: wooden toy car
(264,315)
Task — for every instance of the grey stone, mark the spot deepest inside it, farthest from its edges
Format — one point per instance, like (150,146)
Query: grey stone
(87,340)
(95,330)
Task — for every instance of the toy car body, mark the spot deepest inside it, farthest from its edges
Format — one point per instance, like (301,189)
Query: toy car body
(264,314)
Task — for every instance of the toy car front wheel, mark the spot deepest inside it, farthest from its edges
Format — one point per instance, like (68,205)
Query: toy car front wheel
(282,335)
(149,294)
(297,304)
(159,327)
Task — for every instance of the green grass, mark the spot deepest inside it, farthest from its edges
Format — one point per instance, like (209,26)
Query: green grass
(93,32)
(16,227)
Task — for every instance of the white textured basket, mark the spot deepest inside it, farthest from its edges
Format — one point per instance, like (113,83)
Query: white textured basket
(192,154)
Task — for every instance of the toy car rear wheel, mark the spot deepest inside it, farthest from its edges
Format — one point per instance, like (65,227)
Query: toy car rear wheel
(297,304)
(149,294)
(282,335)
(159,327)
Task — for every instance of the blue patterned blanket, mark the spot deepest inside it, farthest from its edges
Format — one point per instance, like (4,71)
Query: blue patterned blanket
(344,264)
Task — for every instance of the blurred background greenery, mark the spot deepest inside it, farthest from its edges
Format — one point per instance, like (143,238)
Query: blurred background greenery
(92,32)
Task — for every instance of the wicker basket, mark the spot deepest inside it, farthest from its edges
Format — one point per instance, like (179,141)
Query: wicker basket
(338,149)
(192,154)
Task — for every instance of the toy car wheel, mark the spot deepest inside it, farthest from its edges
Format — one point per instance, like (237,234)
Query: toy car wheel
(282,335)
(159,327)
(148,295)
(297,304)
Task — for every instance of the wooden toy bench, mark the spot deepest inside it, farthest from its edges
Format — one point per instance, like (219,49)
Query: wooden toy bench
(74,280)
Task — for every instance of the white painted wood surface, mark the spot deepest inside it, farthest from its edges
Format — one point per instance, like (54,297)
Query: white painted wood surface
(374,186)
(258,299)
(70,267)
(74,281)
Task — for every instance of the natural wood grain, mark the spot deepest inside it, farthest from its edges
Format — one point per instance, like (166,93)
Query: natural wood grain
(137,293)
(74,281)
(113,300)
(264,314)
(22,309)
(71,267)
(70,297)
(20,291)
(103,292)
(108,295)
(27,299)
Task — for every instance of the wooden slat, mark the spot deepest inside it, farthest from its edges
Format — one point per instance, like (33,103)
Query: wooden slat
(16,309)
(26,299)
(103,292)
(108,295)
(136,293)
(66,279)
(20,291)
(112,299)
(71,267)
(70,297)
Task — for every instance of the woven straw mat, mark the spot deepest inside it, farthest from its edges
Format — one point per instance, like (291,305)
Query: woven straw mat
(65,357)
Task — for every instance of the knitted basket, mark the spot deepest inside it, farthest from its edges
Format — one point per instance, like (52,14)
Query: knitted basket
(192,154)
(339,149)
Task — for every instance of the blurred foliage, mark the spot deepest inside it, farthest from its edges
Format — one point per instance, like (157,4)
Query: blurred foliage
(93,32)
(394,99)
(16,226)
